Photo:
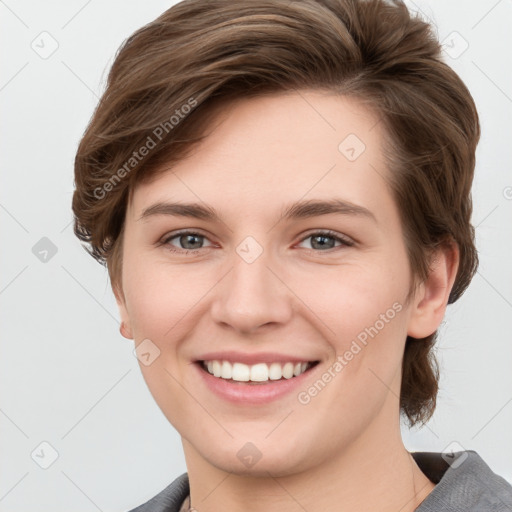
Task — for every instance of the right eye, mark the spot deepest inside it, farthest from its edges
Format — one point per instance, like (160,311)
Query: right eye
(190,241)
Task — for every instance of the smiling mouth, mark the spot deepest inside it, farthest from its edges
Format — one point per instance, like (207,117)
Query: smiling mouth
(259,373)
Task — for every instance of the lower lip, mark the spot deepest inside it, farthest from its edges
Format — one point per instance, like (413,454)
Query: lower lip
(254,393)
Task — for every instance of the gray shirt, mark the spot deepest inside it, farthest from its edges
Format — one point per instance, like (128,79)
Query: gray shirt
(464,483)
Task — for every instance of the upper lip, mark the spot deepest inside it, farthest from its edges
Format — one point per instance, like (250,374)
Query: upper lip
(255,358)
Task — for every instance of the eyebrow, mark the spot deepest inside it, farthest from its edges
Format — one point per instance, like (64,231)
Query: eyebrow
(297,210)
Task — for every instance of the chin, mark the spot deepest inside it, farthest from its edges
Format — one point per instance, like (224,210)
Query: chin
(263,468)
(256,459)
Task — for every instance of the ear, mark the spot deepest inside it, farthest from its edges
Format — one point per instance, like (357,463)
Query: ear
(431,298)
(125,326)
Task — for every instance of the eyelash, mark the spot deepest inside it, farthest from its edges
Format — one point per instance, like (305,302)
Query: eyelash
(326,233)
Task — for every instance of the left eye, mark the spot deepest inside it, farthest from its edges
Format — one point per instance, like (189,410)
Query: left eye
(321,240)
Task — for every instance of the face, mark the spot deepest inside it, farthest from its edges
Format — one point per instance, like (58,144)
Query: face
(272,283)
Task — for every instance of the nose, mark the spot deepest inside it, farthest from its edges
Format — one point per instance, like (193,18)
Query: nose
(251,296)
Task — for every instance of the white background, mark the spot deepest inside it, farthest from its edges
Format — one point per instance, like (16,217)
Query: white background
(69,378)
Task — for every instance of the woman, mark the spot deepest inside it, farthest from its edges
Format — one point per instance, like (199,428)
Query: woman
(281,193)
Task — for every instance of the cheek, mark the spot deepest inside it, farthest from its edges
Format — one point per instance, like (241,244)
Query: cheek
(351,298)
(159,298)
(160,303)
(366,317)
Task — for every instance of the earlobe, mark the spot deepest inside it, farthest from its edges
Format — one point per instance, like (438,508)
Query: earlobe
(124,327)
(431,298)
(125,332)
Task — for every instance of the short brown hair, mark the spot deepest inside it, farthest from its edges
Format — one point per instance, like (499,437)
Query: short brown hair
(169,75)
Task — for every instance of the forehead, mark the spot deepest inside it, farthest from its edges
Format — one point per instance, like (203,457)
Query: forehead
(276,149)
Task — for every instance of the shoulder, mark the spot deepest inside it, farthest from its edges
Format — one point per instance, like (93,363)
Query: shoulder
(168,500)
(464,482)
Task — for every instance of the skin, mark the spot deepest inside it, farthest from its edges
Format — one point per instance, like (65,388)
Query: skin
(342,450)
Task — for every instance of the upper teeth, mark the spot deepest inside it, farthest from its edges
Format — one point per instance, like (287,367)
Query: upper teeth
(257,372)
